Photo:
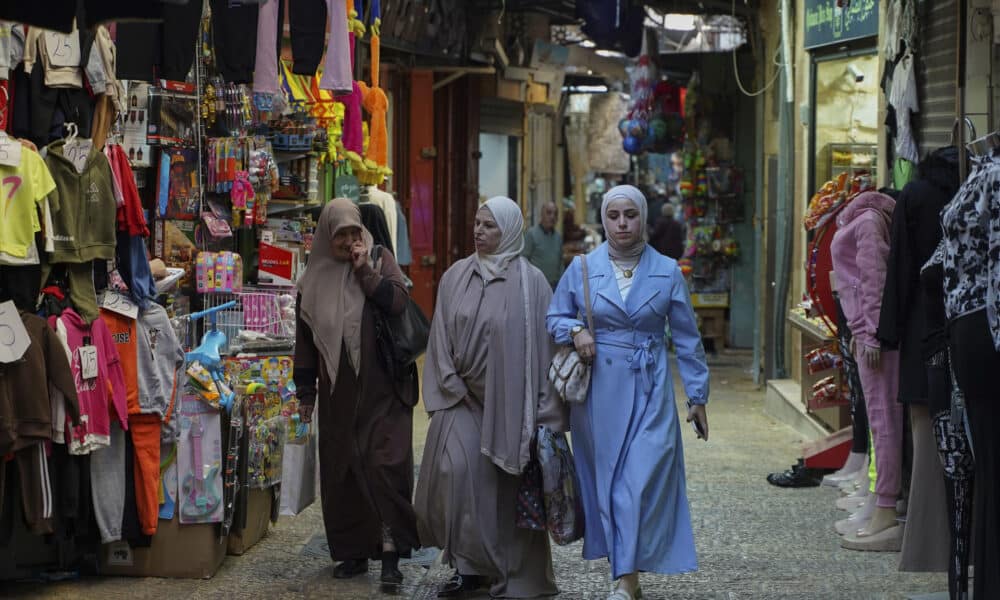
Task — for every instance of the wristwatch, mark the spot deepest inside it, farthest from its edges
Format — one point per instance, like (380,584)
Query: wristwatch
(575,331)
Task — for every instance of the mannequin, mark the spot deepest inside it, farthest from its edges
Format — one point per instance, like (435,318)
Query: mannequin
(970,223)
(903,324)
(860,253)
(387,203)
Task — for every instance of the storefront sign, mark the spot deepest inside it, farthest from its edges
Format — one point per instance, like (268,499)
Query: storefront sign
(277,266)
(827,23)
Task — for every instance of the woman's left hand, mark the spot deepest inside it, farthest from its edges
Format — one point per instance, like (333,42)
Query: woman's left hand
(696,412)
(359,256)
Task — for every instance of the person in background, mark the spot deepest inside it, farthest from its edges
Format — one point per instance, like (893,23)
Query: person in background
(543,246)
(366,419)
(668,235)
(486,390)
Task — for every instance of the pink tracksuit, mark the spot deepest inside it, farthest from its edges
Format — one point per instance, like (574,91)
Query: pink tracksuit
(860,251)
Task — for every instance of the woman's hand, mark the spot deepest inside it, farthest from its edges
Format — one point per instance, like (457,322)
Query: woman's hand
(697,413)
(584,343)
(359,255)
(306,412)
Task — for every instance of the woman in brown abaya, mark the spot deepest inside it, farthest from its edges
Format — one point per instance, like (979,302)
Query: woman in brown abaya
(366,418)
(485,387)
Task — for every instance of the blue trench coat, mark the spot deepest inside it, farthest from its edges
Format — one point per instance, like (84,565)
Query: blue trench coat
(627,436)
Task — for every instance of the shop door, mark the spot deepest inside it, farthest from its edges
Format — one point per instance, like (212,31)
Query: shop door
(421,152)
(936,74)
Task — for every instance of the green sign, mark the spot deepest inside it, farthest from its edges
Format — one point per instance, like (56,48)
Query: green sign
(827,23)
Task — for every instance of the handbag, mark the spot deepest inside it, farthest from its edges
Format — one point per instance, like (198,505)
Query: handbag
(561,488)
(568,373)
(530,506)
(400,339)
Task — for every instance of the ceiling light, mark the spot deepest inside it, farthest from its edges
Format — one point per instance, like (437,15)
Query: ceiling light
(609,53)
(679,22)
(587,44)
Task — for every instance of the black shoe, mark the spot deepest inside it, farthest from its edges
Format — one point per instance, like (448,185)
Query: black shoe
(459,585)
(799,476)
(350,568)
(391,574)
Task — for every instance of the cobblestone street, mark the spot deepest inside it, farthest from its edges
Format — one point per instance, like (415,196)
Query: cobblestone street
(754,540)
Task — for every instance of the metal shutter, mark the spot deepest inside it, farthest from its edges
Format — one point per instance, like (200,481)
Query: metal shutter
(936,73)
(498,115)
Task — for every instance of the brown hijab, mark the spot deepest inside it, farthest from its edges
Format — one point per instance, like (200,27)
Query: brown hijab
(332,302)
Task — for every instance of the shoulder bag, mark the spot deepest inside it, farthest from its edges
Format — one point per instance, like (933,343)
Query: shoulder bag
(568,373)
(400,339)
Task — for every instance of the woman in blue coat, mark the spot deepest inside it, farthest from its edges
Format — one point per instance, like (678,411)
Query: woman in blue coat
(627,436)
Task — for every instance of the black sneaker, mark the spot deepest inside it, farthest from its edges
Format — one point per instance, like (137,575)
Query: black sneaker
(799,476)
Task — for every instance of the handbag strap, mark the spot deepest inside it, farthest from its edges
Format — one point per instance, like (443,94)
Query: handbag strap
(586,295)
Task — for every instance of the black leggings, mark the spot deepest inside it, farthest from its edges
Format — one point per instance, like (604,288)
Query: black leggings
(234,30)
(976,363)
(307,27)
(859,413)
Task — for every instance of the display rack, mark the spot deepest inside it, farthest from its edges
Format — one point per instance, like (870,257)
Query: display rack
(853,159)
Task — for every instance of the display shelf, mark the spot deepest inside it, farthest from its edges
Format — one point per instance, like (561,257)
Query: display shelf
(817,330)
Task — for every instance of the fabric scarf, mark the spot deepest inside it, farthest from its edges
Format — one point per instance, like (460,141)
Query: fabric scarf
(631,193)
(332,302)
(509,219)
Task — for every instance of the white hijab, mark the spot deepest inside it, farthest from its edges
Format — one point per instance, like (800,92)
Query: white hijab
(509,219)
(632,194)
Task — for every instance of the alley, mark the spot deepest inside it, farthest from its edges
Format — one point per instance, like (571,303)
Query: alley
(754,540)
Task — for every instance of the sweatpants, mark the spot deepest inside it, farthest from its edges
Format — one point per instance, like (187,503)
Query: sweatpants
(31,469)
(179,39)
(235,45)
(338,75)
(976,363)
(107,475)
(266,78)
(145,430)
(307,27)
(885,418)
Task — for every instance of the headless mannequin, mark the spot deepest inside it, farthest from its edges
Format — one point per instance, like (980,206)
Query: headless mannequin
(860,253)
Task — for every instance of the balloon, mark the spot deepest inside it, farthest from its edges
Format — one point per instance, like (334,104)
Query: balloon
(632,145)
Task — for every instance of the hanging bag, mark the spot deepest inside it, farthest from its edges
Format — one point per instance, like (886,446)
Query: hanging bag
(568,373)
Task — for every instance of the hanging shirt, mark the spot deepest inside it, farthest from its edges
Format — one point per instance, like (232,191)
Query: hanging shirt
(22,193)
(903,98)
(971,224)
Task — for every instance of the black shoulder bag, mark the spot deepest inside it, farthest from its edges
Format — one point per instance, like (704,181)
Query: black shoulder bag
(400,339)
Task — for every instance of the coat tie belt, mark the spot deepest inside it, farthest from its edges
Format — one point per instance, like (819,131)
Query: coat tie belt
(643,359)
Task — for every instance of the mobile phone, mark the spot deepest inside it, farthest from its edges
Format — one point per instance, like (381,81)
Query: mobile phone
(696,425)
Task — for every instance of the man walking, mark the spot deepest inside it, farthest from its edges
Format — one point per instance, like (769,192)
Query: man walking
(543,246)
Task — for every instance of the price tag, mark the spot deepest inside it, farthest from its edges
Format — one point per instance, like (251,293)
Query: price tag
(88,362)
(14,340)
(119,303)
(63,48)
(77,153)
(10,151)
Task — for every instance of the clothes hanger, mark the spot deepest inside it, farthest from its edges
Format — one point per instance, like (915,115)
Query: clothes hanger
(984,145)
(953,140)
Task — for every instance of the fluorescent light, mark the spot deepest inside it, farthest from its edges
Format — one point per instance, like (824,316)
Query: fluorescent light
(609,53)
(586,89)
(587,44)
(679,22)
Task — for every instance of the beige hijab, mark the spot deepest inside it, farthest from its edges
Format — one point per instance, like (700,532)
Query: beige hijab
(509,219)
(631,193)
(332,302)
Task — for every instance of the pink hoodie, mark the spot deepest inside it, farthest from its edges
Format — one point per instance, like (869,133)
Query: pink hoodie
(102,397)
(860,251)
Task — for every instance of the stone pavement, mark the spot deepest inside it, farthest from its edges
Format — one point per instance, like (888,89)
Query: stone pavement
(754,540)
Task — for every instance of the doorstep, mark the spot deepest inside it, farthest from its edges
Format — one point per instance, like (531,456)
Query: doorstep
(783,402)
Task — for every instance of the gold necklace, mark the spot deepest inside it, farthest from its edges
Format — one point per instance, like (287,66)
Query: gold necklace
(627,272)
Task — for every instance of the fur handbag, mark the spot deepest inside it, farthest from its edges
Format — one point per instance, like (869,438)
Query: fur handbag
(567,372)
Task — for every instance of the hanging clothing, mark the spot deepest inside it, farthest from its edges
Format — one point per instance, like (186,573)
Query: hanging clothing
(235,48)
(904,99)
(971,223)
(627,435)
(84,205)
(26,418)
(404,254)
(915,234)
(160,355)
(25,189)
(123,332)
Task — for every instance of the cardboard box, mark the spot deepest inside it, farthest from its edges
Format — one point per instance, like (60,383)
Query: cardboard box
(258,519)
(178,551)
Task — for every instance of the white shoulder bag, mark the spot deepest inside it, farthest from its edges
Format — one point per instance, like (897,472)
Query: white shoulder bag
(568,373)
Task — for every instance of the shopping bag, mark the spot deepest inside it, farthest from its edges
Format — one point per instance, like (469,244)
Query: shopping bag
(298,480)
(561,487)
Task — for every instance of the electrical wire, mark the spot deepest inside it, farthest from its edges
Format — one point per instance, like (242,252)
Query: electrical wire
(736,70)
